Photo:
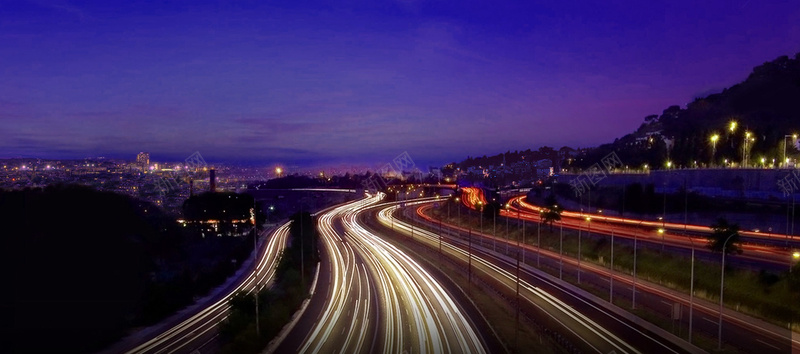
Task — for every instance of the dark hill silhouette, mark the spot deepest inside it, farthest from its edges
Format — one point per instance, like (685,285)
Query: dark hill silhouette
(766,104)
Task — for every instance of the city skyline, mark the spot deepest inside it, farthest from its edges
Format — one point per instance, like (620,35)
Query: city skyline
(316,85)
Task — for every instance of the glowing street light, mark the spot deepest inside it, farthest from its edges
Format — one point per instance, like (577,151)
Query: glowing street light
(732,126)
(508,237)
(714,139)
(589,230)
(786,160)
(278,171)
(748,139)
(721,290)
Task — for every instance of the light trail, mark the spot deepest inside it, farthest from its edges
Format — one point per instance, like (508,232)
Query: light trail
(415,314)
(198,325)
(626,227)
(755,326)
(590,332)
(534,209)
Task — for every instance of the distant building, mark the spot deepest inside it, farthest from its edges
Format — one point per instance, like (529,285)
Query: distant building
(143,159)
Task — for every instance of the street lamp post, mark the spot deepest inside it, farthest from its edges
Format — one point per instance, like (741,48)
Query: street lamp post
(714,139)
(785,161)
(561,250)
(579,253)
(588,234)
(633,293)
(611,275)
(508,237)
(691,277)
(469,266)
(255,261)
(459,208)
(480,216)
(745,150)
(519,217)
(721,290)
(440,236)
(691,292)
(539,239)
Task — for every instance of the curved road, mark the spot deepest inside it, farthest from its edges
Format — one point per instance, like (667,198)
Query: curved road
(378,299)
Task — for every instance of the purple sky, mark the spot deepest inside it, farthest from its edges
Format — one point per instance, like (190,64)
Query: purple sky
(314,84)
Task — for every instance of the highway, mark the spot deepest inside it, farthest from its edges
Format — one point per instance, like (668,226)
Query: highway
(372,297)
(590,327)
(756,246)
(190,331)
(743,332)
(760,250)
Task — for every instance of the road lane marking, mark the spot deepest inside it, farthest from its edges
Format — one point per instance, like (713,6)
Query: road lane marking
(767,344)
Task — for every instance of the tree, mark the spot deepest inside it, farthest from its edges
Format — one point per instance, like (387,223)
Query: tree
(552,212)
(724,231)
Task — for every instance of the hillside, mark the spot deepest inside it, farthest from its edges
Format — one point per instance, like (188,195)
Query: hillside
(766,104)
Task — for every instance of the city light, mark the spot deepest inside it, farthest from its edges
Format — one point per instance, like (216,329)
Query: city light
(732,126)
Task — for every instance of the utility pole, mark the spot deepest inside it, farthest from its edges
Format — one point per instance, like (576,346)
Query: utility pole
(255,261)
(469,261)
(561,251)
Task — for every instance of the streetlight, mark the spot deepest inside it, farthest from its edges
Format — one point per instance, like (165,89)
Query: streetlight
(480,211)
(793,136)
(519,248)
(255,259)
(494,225)
(732,126)
(744,149)
(661,232)
(633,292)
(579,246)
(538,238)
(519,217)
(561,250)
(721,288)
(714,139)
(508,237)
(278,171)
(611,273)
(469,267)
(691,292)
(459,208)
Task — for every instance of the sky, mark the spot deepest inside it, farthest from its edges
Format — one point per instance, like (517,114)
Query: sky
(313,83)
